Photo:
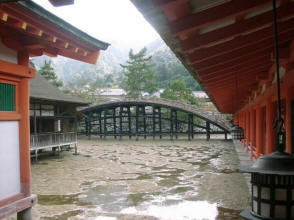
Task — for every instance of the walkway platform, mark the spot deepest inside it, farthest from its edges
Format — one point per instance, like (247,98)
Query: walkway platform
(245,160)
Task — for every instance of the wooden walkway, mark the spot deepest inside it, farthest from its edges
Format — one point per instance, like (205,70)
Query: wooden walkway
(52,141)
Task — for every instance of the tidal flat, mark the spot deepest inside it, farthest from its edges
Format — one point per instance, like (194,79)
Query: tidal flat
(145,179)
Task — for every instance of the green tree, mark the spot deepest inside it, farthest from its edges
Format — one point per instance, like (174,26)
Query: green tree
(48,72)
(179,91)
(138,73)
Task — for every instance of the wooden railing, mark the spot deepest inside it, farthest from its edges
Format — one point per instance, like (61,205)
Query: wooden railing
(218,118)
(49,140)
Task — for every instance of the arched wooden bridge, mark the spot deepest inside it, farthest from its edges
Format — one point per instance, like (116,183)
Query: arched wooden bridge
(149,117)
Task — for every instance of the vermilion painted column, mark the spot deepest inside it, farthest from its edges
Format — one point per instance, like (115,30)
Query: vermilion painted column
(259,131)
(289,119)
(270,139)
(248,125)
(24,131)
(252,127)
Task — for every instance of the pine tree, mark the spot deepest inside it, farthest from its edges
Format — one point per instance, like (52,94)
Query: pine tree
(178,91)
(139,75)
(48,72)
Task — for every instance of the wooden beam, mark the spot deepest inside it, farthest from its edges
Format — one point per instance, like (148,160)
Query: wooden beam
(16,70)
(236,29)
(255,71)
(232,61)
(241,41)
(162,4)
(226,83)
(212,15)
(260,63)
(17,206)
(266,46)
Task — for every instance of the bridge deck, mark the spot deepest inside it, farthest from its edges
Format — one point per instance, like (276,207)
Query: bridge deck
(146,117)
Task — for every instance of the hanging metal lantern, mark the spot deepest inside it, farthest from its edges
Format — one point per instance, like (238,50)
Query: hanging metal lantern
(272,179)
(237,133)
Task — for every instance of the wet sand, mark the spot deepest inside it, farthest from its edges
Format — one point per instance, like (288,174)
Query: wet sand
(146,179)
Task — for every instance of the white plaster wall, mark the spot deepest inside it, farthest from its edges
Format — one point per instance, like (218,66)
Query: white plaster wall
(9,159)
(7,54)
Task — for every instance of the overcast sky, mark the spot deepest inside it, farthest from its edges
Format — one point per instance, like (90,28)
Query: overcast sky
(108,20)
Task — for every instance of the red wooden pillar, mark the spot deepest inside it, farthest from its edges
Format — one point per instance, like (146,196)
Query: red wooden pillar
(270,138)
(259,131)
(24,131)
(289,119)
(248,125)
(252,127)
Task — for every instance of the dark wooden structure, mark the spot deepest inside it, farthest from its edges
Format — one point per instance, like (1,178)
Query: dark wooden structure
(149,117)
(53,116)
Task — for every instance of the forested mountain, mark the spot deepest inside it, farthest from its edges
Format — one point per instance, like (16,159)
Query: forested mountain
(108,72)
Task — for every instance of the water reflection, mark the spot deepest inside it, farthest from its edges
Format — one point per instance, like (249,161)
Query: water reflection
(187,210)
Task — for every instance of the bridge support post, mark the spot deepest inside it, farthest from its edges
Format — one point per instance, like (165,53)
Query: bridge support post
(160,125)
(153,122)
(189,127)
(137,121)
(192,126)
(120,122)
(129,122)
(176,121)
(144,120)
(90,125)
(207,130)
(86,127)
(114,122)
(171,124)
(104,124)
(100,125)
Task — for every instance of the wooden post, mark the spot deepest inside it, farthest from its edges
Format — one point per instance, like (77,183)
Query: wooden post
(207,130)
(192,126)
(252,127)
(76,131)
(120,122)
(104,124)
(25,214)
(289,120)
(129,121)
(176,121)
(90,125)
(144,120)
(259,131)
(248,125)
(159,117)
(24,136)
(100,125)
(270,138)
(86,126)
(153,122)
(114,122)
(189,127)
(171,124)
(35,119)
(137,121)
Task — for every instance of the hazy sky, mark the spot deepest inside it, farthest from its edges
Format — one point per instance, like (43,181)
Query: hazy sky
(108,20)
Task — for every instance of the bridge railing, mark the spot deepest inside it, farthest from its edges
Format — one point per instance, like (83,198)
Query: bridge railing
(217,118)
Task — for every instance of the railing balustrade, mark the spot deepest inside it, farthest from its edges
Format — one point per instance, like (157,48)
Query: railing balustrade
(46,140)
(218,118)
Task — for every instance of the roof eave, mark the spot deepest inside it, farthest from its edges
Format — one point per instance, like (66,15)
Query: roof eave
(48,16)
